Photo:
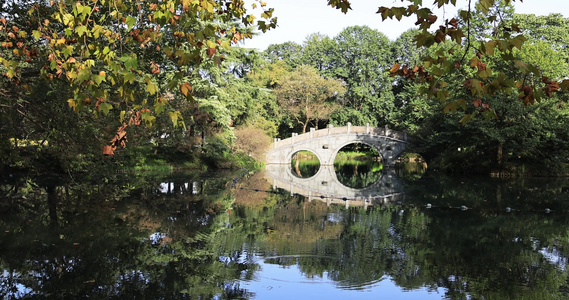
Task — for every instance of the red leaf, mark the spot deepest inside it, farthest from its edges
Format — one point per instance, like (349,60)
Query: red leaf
(476,102)
(108,150)
(211,52)
(453,22)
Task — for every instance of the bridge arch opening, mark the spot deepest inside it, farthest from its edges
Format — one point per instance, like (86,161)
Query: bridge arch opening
(304,164)
(358,165)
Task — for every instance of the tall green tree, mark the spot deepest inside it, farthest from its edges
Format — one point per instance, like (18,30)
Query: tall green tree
(318,51)
(414,110)
(287,52)
(553,28)
(361,60)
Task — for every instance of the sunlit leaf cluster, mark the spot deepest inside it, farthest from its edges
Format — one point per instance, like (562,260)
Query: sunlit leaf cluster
(122,54)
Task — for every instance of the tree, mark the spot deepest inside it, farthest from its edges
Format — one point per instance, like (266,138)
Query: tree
(484,81)
(288,52)
(123,55)
(306,95)
(318,51)
(414,110)
(530,135)
(360,59)
(553,28)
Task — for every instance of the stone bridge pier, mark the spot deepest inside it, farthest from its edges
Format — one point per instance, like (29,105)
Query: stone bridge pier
(325,143)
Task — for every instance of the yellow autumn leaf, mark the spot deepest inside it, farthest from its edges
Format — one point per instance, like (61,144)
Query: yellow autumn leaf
(185,89)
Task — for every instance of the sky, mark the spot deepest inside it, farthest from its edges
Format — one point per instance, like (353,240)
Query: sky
(299,18)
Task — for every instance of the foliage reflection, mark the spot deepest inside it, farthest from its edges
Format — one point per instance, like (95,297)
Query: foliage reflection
(358,166)
(134,238)
(305,164)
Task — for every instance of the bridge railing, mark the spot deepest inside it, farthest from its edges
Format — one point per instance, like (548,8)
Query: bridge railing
(349,129)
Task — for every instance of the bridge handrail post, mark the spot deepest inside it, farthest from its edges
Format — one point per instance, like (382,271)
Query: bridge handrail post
(330,126)
(386,130)
(312,129)
(367,128)
(275,144)
(349,126)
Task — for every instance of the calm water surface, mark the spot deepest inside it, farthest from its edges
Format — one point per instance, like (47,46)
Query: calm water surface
(241,236)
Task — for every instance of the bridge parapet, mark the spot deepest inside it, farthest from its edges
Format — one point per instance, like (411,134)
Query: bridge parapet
(349,129)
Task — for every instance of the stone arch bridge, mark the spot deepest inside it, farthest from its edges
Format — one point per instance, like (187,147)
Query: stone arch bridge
(325,143)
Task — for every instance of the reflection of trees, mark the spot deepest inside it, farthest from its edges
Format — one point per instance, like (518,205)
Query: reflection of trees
(103,247)
(480,252)
(305,168)
(358,174)
(410,170)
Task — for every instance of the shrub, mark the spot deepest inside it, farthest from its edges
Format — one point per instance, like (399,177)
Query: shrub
(251,141)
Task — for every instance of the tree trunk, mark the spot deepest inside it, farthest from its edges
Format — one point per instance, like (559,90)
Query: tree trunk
(500,155)
(52,205)
(297,168)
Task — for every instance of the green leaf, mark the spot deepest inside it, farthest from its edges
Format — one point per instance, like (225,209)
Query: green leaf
(485,73)
(451,106)
(105,107)
(564,84)
(465,119)
(518,41)
(174,115)
(67,18)
(489,47)
(130,21)
(508,56)
(67,51)
(533,69)
(485,5)
(398,12)
(86,10)
(97,79)
(130,61)
(122,115)
(97,30)
(384,11)
(36,34)
(80,30)
(84,75)
(477,87)
(159,107)
(129,77)
(148,119)
(151,87)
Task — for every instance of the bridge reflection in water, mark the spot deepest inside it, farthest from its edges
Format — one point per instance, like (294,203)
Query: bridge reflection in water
(325,186)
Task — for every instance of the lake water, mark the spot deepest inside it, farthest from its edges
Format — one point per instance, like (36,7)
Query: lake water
(249,236)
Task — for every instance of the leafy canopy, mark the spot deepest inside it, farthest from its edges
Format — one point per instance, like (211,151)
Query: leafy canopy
(473,50)
(121,54)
